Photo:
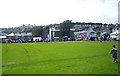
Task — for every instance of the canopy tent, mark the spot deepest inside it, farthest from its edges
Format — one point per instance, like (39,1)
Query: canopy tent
(3,37)
(11,34)
(115,33)
(104,33)
(80,32)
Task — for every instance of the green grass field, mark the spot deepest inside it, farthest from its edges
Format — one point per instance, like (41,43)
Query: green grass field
(79,57)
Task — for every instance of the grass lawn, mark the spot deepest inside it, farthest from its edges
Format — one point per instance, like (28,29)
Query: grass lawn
(78,57)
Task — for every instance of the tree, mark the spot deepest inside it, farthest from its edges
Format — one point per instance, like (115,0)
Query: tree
(65,27)
(37,31)
(98,32)
(46,29)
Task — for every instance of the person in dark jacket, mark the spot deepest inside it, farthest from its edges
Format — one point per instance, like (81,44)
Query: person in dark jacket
(114,53)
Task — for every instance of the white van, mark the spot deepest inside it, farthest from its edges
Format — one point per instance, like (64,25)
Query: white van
(37,39)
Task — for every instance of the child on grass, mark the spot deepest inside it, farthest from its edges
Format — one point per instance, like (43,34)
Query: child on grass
(114,53)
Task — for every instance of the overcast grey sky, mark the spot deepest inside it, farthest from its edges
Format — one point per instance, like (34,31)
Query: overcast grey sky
(44,12)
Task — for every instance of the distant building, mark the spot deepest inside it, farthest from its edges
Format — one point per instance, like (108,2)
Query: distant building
(107,30)
(20,36)
(54,31)
(91,32)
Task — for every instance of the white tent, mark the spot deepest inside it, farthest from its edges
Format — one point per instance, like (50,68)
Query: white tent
(80,32)
(11,34)
(115,35)
(3,37)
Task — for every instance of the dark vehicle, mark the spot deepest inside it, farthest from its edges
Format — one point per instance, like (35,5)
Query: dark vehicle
(92,38)
(65,38)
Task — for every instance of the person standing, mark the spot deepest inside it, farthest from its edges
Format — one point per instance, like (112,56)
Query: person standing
(114,54)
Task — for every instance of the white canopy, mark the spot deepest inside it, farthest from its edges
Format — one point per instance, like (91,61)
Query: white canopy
(115,33)
(11,34)
(80,32)
(3,37)
(20,34)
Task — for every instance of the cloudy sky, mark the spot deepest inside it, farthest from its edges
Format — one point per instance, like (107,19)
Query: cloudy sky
(44,12)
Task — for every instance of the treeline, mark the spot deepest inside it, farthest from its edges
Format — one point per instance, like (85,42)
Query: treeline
(64,27)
